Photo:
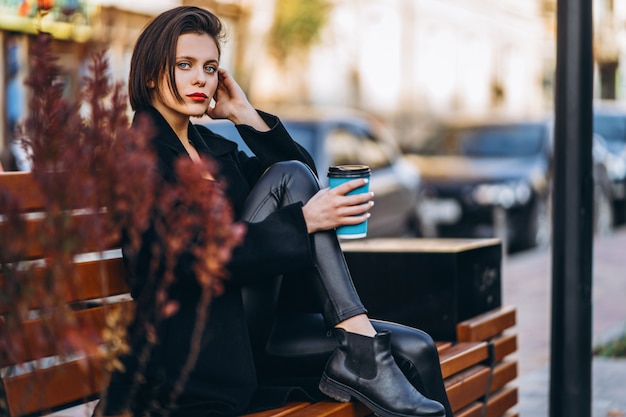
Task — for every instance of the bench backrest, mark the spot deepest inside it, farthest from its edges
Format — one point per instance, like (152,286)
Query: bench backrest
(46,377)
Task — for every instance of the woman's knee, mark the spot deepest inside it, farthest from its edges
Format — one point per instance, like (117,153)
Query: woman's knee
(296,176)
(294,169)
(281,184)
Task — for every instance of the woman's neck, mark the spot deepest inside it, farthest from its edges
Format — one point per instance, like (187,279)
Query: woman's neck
(177,121)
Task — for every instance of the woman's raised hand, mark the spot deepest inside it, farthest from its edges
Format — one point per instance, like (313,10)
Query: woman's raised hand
(330,207)
(232,103)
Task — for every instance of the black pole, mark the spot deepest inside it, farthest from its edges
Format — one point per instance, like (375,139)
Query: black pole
(572,250)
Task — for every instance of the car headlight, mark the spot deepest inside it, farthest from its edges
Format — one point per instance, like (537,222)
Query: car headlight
(616,167)
(505,195)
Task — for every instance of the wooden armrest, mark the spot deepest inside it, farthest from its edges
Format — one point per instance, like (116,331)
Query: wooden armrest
(486,325)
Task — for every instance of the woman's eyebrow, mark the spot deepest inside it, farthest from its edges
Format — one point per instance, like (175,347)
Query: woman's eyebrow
(191,58)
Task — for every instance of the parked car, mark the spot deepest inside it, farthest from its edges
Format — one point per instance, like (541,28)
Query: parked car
(477,177)
(495,179)
(335,137)
(604,199)
(609,122)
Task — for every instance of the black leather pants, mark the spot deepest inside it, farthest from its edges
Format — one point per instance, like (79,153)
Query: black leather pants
(330,282)
(290,338)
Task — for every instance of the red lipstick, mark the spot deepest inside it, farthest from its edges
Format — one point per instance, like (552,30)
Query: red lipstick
(200,97)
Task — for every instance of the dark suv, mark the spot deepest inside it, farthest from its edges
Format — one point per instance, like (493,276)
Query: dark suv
(495,179)
(487,180)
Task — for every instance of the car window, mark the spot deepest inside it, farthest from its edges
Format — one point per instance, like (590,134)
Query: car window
(356,146)
(488,141)
(303,133)
(229,131)
(612,128)
(344,144)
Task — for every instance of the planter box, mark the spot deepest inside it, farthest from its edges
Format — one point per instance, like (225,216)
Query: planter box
(430,284)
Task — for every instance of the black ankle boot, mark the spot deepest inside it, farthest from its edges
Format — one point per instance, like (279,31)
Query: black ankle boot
(363,367)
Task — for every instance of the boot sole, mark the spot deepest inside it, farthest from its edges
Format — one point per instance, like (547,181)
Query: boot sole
(343,393)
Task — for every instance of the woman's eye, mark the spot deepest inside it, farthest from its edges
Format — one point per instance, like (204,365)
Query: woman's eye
(184,65)
(210,69)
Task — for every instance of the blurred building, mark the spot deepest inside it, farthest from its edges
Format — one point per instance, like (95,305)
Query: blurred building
(78,28)
(609,46)
(408,60)
(404,60)
(69,22)
(426,57)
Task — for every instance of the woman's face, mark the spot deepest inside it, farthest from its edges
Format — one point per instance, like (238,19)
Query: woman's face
(195,72)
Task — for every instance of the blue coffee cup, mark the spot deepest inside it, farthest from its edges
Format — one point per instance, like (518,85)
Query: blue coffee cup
(343,173)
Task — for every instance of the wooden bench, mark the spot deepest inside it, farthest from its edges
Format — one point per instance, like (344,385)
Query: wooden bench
(478,368)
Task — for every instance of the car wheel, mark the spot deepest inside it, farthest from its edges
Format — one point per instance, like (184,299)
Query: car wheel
(603,213)
(619,212)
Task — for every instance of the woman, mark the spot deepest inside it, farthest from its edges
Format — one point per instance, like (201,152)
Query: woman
(290,238)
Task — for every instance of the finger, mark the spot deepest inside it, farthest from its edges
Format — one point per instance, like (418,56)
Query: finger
(222,74)
(356,199)
(348,186)
(356,210)
(356,219)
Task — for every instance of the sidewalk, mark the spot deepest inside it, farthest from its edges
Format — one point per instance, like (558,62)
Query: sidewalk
(527,280)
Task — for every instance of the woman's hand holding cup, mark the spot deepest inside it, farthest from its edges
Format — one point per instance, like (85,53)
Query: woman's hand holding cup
(344,205)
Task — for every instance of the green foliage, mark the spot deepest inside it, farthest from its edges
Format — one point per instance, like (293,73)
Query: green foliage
(613,349)
(297,25)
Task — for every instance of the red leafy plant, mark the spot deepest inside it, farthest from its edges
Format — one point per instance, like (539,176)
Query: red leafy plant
(97,177)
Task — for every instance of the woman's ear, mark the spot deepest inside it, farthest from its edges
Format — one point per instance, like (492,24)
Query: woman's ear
(151,84)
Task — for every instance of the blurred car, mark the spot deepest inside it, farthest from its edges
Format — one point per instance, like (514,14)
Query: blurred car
(604,198)
(495,179)
(477,177)
(336,137)
(609,122)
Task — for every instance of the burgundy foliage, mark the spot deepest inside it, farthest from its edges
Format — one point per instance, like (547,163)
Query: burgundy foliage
(85,156)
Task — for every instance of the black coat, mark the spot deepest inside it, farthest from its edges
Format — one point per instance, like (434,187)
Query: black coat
(223,381)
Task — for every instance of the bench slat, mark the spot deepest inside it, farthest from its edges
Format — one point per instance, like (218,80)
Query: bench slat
(333,409)
(94,279)
(23,185)
(486,325)
(27,189)
(34,250)
(90,320)
(54,386)
(474,409)
(497,405)
(100,279)
(467,386)
(470,385)
(441,346)
(285,410)
(503,373)
(504,345)
(501,401)
(462,356)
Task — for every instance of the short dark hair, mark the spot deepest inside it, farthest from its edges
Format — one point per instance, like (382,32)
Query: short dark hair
(155,50)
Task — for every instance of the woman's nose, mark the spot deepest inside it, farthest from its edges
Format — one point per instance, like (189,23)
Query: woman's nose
(200,77)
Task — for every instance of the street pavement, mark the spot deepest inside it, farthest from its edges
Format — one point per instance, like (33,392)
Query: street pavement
(526,282)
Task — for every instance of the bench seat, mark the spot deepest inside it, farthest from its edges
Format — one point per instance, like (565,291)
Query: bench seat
(478,368)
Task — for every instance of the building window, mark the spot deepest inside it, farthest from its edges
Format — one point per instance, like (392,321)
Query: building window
(608,80)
